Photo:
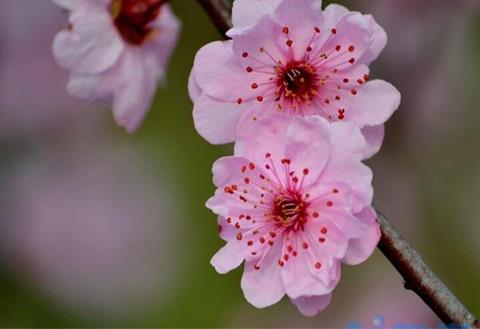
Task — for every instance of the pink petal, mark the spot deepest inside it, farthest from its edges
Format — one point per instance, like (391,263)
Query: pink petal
(92,45)
(348,143)
(335,191)
(333,248)
(246,13)
(351,30)
(379,40)
(307,145)
(300,276)
(194,89)
(67,4)
(138,77)
(168,28)
(333,13)
(216,121)
(226,231)
(312,305)
(219,75)
(374,138)
(229,257)
(90,87)
(360,249)
(220,205)
(374,104)
(259,137)
(301,17)
(296,13)
(229,171)
(346,223)
(263,44)
(263,287)
(357,176)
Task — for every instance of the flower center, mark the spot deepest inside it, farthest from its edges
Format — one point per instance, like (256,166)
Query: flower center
(297,82)
(132,17)
(289,210)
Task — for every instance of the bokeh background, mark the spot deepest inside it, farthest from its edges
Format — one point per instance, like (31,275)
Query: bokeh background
(99,228)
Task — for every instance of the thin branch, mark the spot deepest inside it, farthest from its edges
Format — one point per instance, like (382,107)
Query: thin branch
(420,278)
(417,275)
(219,12)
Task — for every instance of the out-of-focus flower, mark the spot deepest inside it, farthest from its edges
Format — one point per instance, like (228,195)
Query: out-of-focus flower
(32,100)
(88,230)
(290,56)
(293,204)
(117,51)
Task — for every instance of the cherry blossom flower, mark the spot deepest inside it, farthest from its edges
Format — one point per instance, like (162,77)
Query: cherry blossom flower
(293,203)
(289,56)
(28,68)
(116,51)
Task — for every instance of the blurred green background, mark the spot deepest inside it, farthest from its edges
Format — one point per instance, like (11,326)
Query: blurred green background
(99,228)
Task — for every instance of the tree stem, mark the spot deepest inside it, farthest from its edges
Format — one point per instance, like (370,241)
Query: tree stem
(420,278)
(219,12)
(417,275)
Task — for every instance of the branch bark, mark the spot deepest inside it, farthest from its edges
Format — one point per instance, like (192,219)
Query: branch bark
(417,275)
(219,12)
(420,278)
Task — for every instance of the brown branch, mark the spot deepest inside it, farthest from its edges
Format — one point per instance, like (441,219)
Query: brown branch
(219,12)
(417,275)
(420,279)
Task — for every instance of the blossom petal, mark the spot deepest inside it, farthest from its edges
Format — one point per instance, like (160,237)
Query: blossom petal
(194,89)
(374,104)
(265,136)
(379,40)
(219,75)
(92,44)
(167,27)
(312,305)
(132,100)
(263,287)
(301,17)
(238,171)
(226,231)
(333,13)
(374,138)
(361,248)
(314,281)
(261,44)
(348,143)
(246,13)
(307,145)
(350,32)
(229,257)
(357,176)
(90,87)
(67,4)
(216,121)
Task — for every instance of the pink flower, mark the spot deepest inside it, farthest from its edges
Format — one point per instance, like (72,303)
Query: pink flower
(289,56)
(293,203)
(116,51)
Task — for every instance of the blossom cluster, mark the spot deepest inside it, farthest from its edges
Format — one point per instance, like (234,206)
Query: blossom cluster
(292,89)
